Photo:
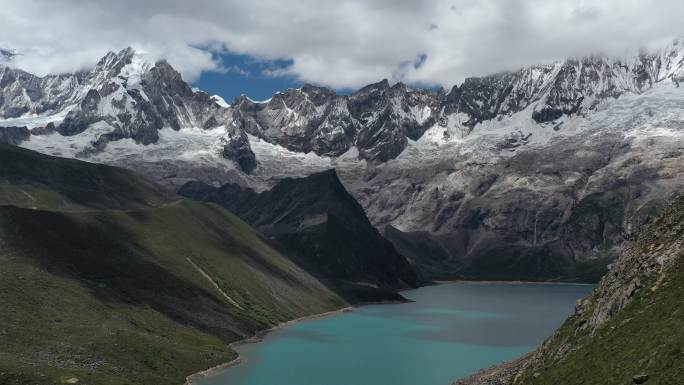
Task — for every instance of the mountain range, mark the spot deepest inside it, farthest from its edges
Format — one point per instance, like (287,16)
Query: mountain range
(538,173)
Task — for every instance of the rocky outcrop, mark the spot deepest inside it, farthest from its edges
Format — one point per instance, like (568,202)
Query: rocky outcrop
(499,375)
(14,135)
(237,148)
(323,229)
(644,265)
(47,130)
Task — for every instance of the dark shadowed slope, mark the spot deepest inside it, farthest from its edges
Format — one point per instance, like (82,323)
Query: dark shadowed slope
(325,230)
(31,179)
(109,279)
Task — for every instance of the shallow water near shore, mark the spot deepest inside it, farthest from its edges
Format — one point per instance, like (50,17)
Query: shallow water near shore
(450,331)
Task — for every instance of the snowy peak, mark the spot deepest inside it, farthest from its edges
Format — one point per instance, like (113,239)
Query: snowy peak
(112,63)
(136,99)
(583,84)
(24,93)
(380,118)
(379,87)
(377,119)
(126,96)
(575,86)
(485,98)
(318,95)
(669,62)
(220,101)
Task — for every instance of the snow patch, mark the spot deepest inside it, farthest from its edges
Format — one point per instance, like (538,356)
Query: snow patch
(220,101)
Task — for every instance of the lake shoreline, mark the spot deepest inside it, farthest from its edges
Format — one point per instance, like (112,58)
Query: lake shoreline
(260,335)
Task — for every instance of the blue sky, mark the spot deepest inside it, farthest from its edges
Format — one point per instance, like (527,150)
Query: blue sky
(260,79)
(242,74)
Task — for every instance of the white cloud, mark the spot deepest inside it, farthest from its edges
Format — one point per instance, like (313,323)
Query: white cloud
(340,43)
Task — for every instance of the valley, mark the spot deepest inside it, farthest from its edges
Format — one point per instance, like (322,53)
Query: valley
(535,174)
(146,226)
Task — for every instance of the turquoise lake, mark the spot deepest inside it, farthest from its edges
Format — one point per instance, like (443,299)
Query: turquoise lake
(450,331)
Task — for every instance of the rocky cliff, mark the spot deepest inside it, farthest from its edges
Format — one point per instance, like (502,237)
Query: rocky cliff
(629,330)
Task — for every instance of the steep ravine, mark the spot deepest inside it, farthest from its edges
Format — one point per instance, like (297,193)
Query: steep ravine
(629,330)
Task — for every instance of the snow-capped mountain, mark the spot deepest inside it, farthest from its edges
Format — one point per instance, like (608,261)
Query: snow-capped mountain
(125,96)
(122,97)
(530,173)
(377,119)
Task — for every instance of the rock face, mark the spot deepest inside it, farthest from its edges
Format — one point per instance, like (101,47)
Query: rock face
(561,210)
(324,229)
(377,119)
(538,173)
(237,148)
(628,330)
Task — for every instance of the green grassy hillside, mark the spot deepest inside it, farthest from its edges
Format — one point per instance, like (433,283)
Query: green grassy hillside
(109,279)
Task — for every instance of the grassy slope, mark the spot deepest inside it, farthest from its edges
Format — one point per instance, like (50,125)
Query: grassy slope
(100,279)
(647,336)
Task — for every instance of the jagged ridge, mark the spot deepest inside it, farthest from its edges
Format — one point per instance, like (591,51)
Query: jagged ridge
(136,99)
